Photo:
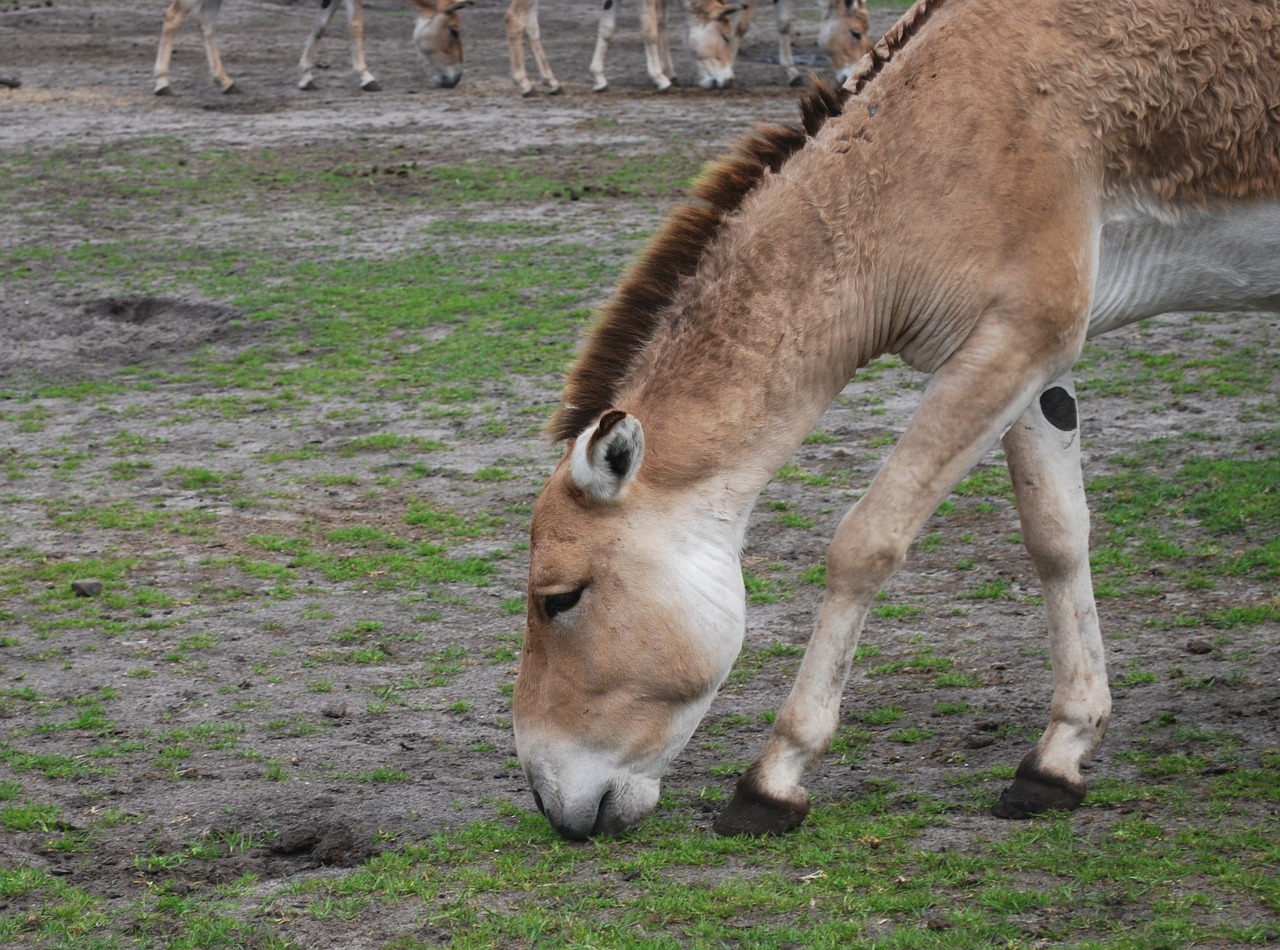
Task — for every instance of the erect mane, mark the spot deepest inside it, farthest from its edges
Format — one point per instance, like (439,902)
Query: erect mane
(626,325)
(896,38)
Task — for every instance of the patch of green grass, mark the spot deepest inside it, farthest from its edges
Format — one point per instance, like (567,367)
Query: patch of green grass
(1229,509)
(753,659)
(923,662)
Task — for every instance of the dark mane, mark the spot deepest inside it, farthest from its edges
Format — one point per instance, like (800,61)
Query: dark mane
(626,324)
(906,27)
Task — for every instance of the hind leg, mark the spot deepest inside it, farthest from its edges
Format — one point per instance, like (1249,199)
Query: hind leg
(307,64)
(1043,453)
(355,23)
(604,36)
(207,12)
(786,57)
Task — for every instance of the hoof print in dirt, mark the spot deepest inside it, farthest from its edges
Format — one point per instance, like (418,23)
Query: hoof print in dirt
(332,844)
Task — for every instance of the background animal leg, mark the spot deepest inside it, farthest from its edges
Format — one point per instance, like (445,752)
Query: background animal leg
(604,36)
(664,43)
(207,13)
(517,17)
(355,21)
(522,21)
(308,62)
(1043,453)
(741,24)
(786,58)
(653,23)
(967,406)
(173,16)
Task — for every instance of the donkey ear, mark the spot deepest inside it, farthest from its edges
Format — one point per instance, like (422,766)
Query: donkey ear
(607,456)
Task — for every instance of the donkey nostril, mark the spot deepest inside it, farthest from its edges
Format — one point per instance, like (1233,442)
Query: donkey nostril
(537,800)
(605,823)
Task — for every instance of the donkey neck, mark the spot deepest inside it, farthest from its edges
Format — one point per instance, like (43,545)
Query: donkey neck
(759,341)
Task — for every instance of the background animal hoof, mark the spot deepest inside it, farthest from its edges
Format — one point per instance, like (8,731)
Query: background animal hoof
(373,86)
(1028,797)
(163,91)
(751,814)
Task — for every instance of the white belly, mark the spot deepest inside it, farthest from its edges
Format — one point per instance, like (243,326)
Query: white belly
(1153,261)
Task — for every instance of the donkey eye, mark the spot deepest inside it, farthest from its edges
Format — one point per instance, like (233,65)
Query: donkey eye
(856,35)
(558,603)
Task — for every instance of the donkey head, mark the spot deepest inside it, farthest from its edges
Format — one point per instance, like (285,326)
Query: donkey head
(635,615)
(710,40)
(437,34)
(844,35)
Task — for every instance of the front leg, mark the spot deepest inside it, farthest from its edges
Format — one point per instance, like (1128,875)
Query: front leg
(307,64)
(207,13)
(977,395)
(604,36)
(786,58)
(534,32)
(355,22)
(1043,453)
(657,49)
(174,14)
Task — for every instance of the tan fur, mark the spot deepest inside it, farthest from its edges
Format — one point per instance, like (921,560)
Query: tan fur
(997,182)
(629,322)
(1184,111)
(892,41)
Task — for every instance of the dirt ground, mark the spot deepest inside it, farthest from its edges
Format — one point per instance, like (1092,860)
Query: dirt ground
(83,80)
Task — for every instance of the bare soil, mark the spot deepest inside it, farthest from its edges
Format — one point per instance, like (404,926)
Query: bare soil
(83,81)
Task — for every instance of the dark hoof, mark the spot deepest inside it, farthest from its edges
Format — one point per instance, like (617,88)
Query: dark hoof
(796,81)
(164,91)
(750,813)
(232,90)
(371,87)
(1028,797)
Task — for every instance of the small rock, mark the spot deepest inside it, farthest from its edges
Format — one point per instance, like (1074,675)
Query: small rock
(1199,647)
(87,587)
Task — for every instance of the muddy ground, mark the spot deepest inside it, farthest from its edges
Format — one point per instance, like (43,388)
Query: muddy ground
(83,82)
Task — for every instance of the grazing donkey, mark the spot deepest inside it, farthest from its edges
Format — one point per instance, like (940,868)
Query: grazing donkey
(995,184)
(843,35)
(709,36)
(436,35)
